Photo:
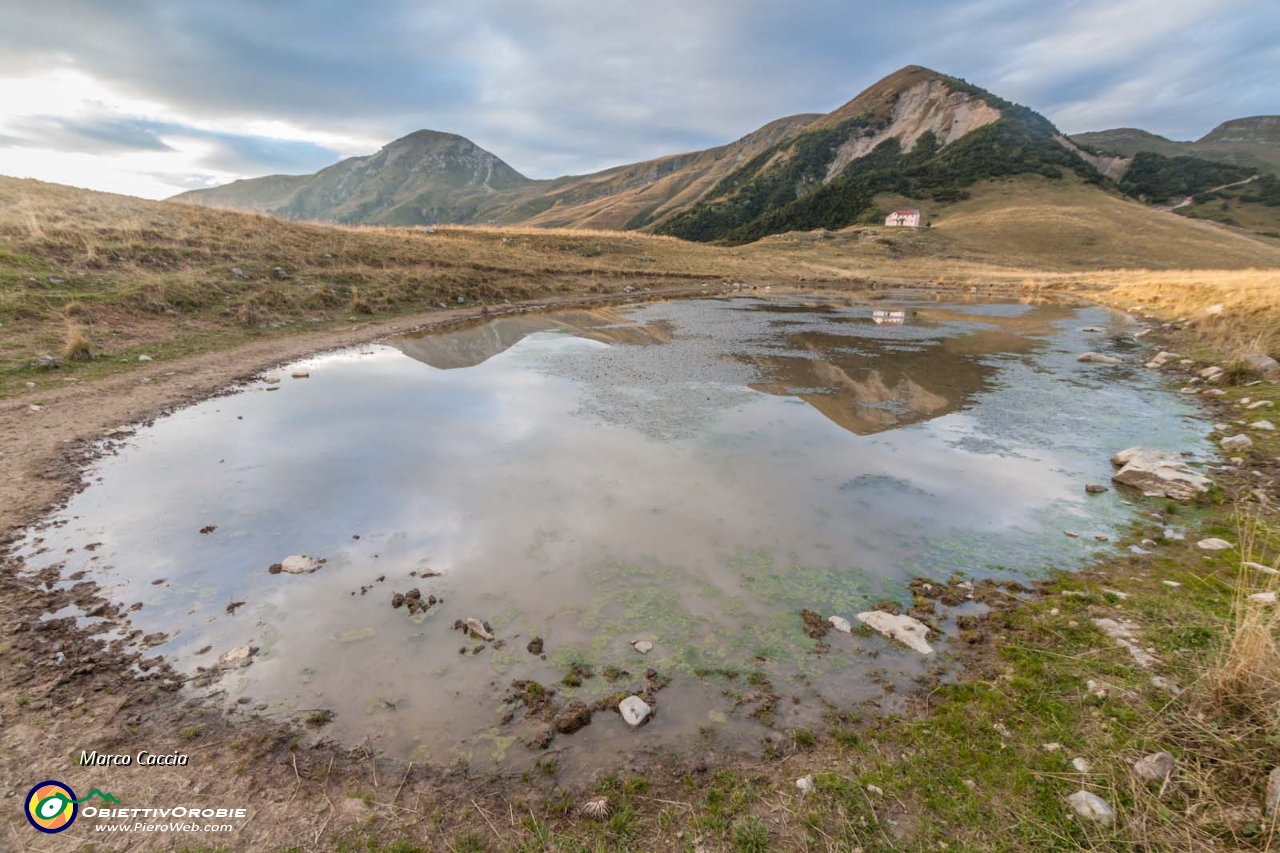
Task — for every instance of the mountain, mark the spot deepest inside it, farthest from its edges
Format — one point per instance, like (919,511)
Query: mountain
(420,178)
(916,133)
(915,136)
(1252,142)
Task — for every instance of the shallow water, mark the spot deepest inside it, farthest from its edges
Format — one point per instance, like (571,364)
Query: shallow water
(691,473)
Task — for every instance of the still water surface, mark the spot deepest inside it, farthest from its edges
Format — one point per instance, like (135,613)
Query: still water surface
(689,473)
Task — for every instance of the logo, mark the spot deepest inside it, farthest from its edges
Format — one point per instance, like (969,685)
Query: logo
(52,806)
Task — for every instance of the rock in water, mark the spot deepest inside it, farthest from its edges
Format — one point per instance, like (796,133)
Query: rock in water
(477,627)
(906,630)
(237,657)
(634,710)
(1158,473)
(1155,767)
(1094,488)
(841,624)
(1098,358)
(299,564)
(1092,807)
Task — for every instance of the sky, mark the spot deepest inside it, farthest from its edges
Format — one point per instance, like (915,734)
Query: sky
(154,97)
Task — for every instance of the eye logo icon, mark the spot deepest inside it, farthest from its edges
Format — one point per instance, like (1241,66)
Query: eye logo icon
(51,807)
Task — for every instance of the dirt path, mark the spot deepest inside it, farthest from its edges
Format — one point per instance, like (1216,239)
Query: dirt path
(1186,202)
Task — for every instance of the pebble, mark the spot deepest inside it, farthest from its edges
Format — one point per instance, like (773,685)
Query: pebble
(841,624)
(642,646)
(1264,597)
(1080,765)
(805,784)
(1214,545)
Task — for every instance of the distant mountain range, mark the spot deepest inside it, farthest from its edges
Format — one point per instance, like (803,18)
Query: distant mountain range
(1253,142)
(916,134)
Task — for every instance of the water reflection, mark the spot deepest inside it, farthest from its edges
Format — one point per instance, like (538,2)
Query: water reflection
(600,477)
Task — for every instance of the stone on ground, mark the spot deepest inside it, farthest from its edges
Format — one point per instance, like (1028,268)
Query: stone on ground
(1214,545)
(634,710)
(906,630)
(1092,807)
(805,784)
(1236,442)
(1155,767)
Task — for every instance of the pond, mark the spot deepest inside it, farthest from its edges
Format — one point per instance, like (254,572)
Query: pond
(692,474)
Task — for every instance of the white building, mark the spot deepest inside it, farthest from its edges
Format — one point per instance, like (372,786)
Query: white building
(909,218)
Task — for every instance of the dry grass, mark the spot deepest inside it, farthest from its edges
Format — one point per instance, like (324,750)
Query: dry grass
(77,346)
(1244,683)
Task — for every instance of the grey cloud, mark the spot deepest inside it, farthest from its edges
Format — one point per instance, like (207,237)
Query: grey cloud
(577,85)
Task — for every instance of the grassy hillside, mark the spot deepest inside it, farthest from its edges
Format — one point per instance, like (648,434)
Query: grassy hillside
(120,277)
(133,277)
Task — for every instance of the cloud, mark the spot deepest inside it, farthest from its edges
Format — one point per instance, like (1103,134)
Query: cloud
(572,86)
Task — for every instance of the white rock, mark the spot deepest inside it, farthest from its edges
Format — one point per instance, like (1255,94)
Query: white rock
(875,789)
(910,632)
(476,626)
(1213,392)
(1092,807)
(1174,535)
(1236,442)
(237,657)
(1264,364)
(1210,372)
(1174,584)
(1264,425)
(1155,767)
(299,564)
(840,623)
(1214,310)
(144,358)
(805,784)
(1165,356)
(634,710)
(1080,765)
(1260,404)
(1158,473)
(1214,545)
(1098,358)
(1051,747)
(642,646)
(1258,567)
(1264,597)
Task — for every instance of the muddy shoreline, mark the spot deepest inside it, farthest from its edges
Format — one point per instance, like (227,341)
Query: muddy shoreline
(116,700)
